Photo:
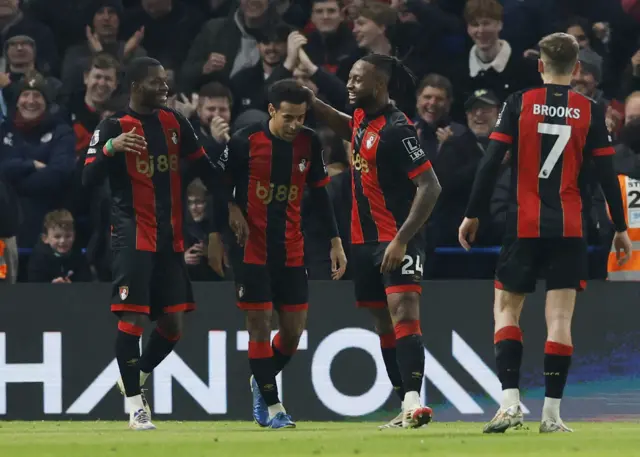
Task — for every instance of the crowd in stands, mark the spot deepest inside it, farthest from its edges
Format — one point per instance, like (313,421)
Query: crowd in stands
(62,68)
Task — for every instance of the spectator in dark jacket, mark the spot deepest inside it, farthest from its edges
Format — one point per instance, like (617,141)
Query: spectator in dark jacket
(249,86)
(102,33)
(587,79)
(54,258)
(433,106)
(225,46)
(492,64)
(36,156)
(332,41)
(14,22)
(170,27)
(9,223)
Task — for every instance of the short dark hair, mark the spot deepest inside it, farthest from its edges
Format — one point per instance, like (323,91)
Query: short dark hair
(559,52)
(58,218)
(288,90)
(479,9)
(104,61)
(139,68)
(216,89)
(276,33)
(437,81)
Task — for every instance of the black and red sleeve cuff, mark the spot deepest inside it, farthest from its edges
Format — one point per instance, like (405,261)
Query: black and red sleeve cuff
(420,169)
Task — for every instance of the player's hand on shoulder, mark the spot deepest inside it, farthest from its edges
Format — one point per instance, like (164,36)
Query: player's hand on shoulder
(129,142)
(468,231)
(393,256)
(623,247)
(338,259)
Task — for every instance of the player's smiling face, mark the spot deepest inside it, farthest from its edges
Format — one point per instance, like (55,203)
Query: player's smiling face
(154,89)
(362,83)
(287,120)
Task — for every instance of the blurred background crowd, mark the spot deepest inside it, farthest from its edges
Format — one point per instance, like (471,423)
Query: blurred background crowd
(61,72)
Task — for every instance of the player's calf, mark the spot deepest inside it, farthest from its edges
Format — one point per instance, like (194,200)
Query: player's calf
(292,320)
(404,309)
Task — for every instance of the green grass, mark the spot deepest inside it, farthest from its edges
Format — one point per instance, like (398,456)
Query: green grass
(200,439)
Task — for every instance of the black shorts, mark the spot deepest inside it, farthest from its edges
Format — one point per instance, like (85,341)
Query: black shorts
(372,287)
(152,283)
(263,287)
(561,262)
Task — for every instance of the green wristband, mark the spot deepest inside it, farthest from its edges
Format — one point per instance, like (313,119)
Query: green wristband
(108,147)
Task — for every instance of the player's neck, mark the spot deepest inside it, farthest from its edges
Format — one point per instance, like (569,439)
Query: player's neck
(273,131)
(138,108)
(376,106)
(560,80)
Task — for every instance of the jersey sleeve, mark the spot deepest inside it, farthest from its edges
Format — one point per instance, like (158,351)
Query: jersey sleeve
(505,127)
(317,176)
(190,146)
(598,138)
(95,162)
(401,145)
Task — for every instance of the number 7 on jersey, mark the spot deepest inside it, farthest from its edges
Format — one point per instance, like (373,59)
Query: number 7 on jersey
(563,132)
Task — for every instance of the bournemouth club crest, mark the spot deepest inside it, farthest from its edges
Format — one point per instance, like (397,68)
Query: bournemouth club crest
(174,136)
(371,140)
(124,292)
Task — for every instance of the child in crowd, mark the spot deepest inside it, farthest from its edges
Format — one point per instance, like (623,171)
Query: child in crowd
(53,259)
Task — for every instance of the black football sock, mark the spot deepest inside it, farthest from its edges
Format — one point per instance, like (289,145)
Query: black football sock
(261,363)
(128,356)
(508,351)
(557,360)
(410,354)
(157,349)
(389,355)
(281,354)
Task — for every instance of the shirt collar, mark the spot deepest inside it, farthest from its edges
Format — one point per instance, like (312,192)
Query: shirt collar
(498,64)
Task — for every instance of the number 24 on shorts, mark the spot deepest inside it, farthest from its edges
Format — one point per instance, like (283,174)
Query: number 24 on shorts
(407,265)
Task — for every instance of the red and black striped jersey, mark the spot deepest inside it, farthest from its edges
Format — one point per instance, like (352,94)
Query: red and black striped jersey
(552,131)
(269,176)
(386,156)
(146,189)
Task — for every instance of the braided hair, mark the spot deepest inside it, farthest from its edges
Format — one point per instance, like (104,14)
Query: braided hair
(401,82)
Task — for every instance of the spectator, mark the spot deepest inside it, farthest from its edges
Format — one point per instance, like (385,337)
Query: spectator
(626,157)
(9,223)
(102,36)
(433,105)
(249,85)
(101,81)
(54,258)
(225,46)
(20,58)
(36,155)
(196,233)
(372,31)
(587,79)
(492,64)
(170,26)
(213,115)
(456,165)
(15,22)
(332,41)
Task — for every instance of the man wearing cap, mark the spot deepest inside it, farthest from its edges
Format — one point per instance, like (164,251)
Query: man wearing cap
(37,155)
(456,165)
(587,79)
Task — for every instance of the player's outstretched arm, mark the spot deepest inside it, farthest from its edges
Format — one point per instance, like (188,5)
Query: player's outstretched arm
(339,122)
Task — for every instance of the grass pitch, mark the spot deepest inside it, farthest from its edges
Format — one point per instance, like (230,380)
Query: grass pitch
(200,439)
